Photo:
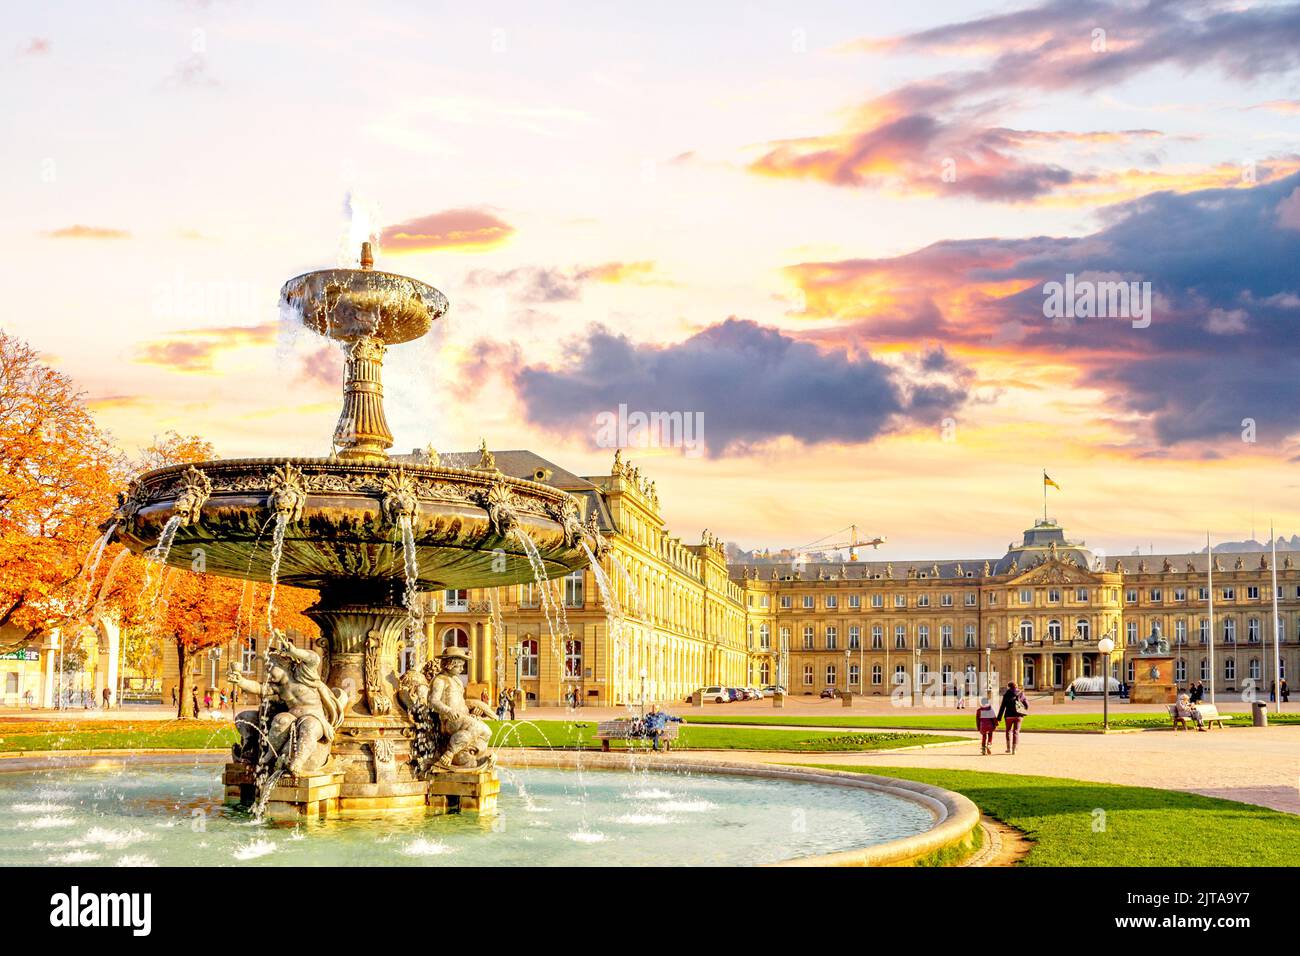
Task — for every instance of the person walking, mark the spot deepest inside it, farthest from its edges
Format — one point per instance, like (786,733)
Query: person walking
(174,695)
(1013,709)
(511,702)
(1286,692)
(986,720)
(194,702)
(108,698)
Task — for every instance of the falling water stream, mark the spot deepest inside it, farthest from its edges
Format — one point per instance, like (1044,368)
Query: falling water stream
(411,570)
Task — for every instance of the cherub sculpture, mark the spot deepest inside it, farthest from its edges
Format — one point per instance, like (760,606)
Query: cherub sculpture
(468,737)
(303,712)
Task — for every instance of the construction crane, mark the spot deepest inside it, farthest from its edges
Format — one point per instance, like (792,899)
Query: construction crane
(852,544)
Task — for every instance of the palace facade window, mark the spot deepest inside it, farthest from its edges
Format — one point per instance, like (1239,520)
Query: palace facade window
(454,600)
(573,659)
(528,657)
(971,635)
(573,589)
(1054,630)
(807,675)
(875,675)
(1026,630)
(877,637)
(1082,629)
(900,637)
(855,638)
(808,637)
(832,638)
(945,635)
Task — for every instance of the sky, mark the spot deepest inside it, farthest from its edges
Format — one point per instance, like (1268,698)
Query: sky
(828,234)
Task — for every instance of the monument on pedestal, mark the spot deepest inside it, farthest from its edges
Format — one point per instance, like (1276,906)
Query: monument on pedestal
(1153,670)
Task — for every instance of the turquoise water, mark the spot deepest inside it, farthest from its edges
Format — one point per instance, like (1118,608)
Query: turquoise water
(171,816)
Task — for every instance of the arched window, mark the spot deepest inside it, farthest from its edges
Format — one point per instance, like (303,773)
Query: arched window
(900,674)
(875,675)
(455,637)
(1229,669)
(900,637)
(945,635)
(923,636)
(1252,630)
(1180,670)
(573,658)
(1255,673)
(765,637)
(832,637)
(1026,630)
(1082,629)
(528,655)
(1230,633)
(1054,630)
(765,672)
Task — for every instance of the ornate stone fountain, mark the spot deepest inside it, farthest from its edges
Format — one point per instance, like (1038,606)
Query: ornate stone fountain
(343,731)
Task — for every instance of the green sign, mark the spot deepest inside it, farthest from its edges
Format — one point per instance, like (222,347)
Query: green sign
(27,654)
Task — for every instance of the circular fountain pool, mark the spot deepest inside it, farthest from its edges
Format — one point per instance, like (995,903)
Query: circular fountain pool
(149,814)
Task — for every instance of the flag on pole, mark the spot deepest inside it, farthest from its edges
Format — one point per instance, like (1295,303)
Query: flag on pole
(1049,483)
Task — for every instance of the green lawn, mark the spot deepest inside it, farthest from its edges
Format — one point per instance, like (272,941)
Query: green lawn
(1076,823)
(965,720)
(192,734)
(117,735)
(560,733)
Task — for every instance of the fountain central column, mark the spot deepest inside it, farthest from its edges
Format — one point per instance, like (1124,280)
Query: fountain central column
(372,747)
(363,431)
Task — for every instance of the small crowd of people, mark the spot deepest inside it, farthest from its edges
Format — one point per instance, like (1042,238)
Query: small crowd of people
(214,700)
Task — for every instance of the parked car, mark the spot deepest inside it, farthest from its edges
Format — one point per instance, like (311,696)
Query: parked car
(736,693)
(758,693)
(773,689)
(830,692)
(717,695)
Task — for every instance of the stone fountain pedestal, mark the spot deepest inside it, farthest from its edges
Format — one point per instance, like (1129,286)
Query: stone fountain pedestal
(326,794)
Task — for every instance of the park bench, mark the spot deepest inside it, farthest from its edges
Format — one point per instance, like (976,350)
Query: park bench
(626,729)
(1209,716)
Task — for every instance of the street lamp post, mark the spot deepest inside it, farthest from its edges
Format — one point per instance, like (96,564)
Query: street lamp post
(643,677)
(1105,645)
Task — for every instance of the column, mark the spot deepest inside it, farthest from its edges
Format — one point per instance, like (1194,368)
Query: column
(50,679)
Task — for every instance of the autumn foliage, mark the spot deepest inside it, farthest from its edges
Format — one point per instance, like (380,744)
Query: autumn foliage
(59,476)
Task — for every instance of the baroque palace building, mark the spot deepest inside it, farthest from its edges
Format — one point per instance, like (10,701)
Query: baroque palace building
(1033,615)
(689,620)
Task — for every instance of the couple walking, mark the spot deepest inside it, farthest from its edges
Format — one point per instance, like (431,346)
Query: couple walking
(1013,709)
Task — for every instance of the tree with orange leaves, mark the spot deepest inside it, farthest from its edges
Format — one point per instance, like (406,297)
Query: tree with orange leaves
(58,475)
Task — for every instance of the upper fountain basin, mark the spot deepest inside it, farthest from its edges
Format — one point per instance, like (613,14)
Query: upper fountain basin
(343,522)
(349,304)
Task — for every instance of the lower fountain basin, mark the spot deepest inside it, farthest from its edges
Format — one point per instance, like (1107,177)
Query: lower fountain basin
(144,813)
(343,522)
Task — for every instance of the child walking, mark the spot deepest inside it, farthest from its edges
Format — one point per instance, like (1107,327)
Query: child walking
(986,719)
